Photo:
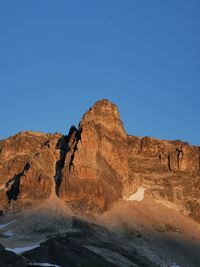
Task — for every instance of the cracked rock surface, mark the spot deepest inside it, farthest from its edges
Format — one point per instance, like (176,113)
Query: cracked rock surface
(97,164)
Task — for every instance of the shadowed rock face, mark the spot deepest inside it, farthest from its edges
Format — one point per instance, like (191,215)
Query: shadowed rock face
(97,164)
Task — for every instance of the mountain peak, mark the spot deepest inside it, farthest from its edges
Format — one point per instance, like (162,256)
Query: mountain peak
(106,114)
(97,165)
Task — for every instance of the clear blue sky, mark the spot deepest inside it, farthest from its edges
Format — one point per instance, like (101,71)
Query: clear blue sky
(58,57)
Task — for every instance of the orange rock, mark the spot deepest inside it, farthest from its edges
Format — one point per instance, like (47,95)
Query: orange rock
(97,164)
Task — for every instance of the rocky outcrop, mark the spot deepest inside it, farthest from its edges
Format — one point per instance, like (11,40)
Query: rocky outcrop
(27,168)
(96,164)
(169,170)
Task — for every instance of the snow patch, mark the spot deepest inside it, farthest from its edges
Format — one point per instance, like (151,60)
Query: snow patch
(175,265)
(45,264)
(111,256)
(8,233)
(22,249)
(138,195)
(2,226)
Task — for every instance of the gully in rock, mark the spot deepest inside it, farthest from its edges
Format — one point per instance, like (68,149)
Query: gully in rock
(14,184)
(65,145)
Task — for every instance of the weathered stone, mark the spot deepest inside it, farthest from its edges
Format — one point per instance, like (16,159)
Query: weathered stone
(168,169)
(97,164)
(34,183)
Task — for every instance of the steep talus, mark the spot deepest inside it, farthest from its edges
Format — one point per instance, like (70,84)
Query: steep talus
(97,164)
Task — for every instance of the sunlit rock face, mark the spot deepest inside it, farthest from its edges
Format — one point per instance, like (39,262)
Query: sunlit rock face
(97,164)
(170,171)
(93,175)
(27,168)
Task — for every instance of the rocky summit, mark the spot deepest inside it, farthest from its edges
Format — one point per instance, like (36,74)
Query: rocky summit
(97,164)
(98,197)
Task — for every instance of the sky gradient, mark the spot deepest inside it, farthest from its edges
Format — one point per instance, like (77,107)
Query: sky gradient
(59,57)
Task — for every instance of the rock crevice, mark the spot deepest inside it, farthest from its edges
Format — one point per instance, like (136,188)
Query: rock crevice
(12,187)
(67,146)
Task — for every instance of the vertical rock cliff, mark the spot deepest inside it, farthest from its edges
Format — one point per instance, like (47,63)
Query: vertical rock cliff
(27,168)
(169,170)
(97,164)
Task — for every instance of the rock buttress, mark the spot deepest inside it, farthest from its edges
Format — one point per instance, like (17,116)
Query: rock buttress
(169,170)
(27,168)
(97,164)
